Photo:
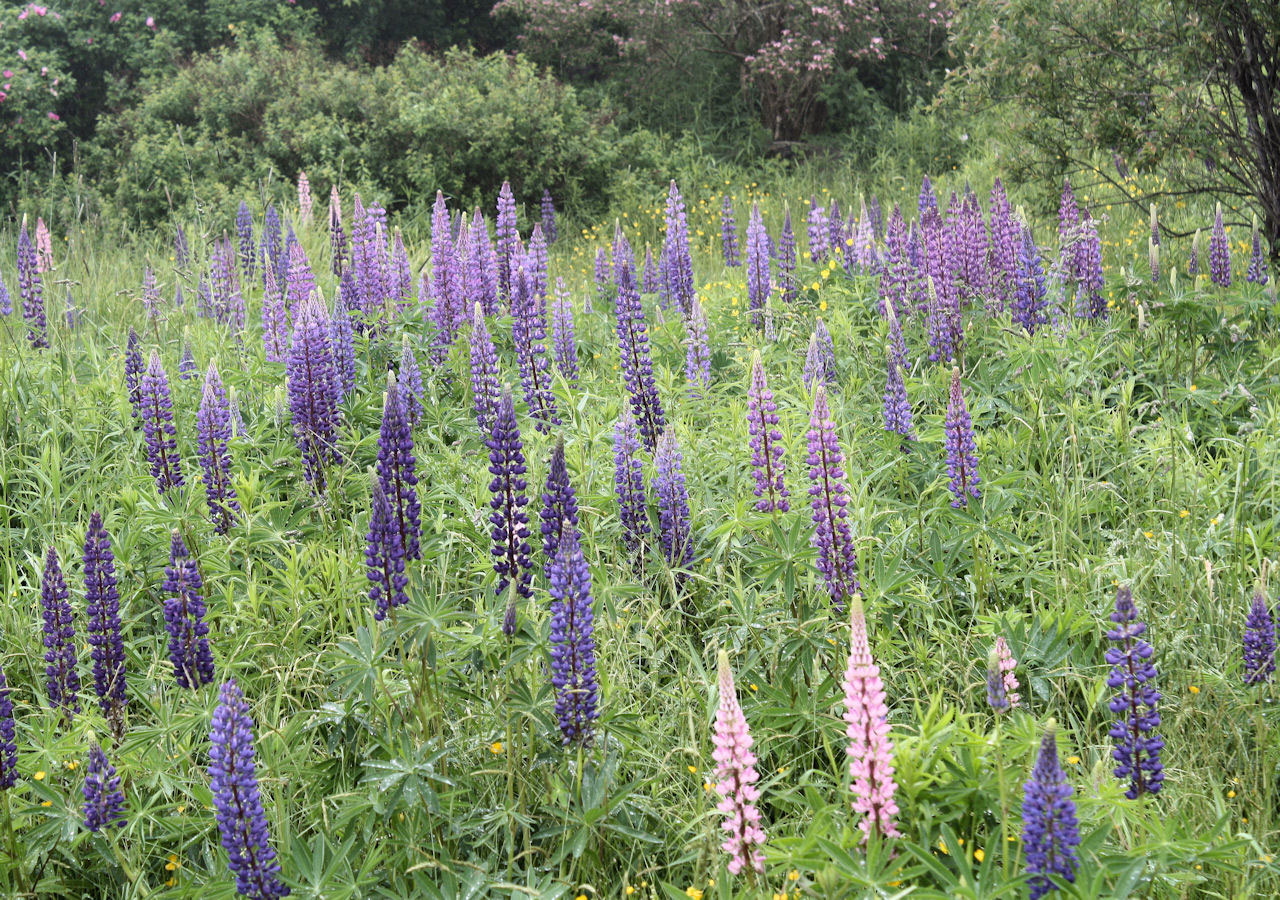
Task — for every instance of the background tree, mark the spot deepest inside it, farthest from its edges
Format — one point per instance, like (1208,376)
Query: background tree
(1189,88)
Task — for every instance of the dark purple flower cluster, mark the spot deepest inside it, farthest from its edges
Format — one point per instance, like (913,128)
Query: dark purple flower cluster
(133,368)
(787,281)
(759,284)
(508,501)
(337,236)
(8,741)
(485,390)
(1193,258)
(1259,642)
(651,278)
(673,502)
(559,505)
(820,359)
(342,343)
(313,391)
(529,328)
(628,481)
(102,605)
(1219,252)
(6,302)
(549,227)
(508,238)
(1257,273)
(997,691)
(573,645)
(697,350)
(729,233)
(1004,249)
(157,425)
(103,799)
(563,336)
(31,290)
(59,639)
(633,345)
(1050,833)
(397,469)
(1029,292)
(767,451)
(409,379)
(897,408)
(237,801)
(962,448)
(1137,750)
(677,263)
(184,611)
(819,232)
(384,556)
(213,432)
(248,248)
(837,558)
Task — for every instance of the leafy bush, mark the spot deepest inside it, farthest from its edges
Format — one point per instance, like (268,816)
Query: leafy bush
(460,123)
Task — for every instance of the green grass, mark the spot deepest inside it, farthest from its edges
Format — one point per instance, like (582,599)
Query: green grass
(420,757)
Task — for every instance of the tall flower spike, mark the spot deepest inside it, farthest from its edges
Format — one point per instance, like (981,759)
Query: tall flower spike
(729,233)
(213,432)
(673,502)
(184,611)
(604,275)
(237,802)
(736,778)
(1137,750)
(529,329)
(59,639)
(157,425)
(411,388)
(870,748)
(837,558)
(313,391)
(509,520)
(549,228)
(819,235)
(651,279)
(997,693)
(897,408)
(628,481)
(1219,252)
(1007,664)
(102,605)
(759,284)
(633,346)
(397,469)
(337,237)
(6,302)
(563,337)
(384,556)
(1050,833)
(342,341)
(787,281)
(508,237)
(573,645)
(103,799)
(485,390)
(1029,292)
(1257,273)
(248,256)
(1259,642)
(559,505)
(1193,260)
(133,368)
(31,291)
(275,318)
(678,263)
(767,464)
(962,448)
(697,351)
(304,199)
(8,744)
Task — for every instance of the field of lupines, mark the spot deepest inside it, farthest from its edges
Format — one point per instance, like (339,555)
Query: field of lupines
(751,548)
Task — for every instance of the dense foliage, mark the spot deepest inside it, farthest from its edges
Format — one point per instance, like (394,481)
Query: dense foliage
(305,674)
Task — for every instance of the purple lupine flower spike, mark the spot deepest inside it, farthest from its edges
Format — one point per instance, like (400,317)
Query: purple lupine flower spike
(181,250)
(1137,751)
(563,336)
(633,346)
(819,233)
(8,743)
(820,360)
(184,611)
(1088,271)
(997,692)
(651,280)
(962,448)
(485,388)
(242,822)
(509,520)
(1219,252)
(247,247)
(1259,642)
(1029,293)
(573,645)
(401,277)
(759,284)
(1257,273)
(837,558)
(559,505)
(767,451)
(337,237)
(397,469)
(150,294)
(31,291)
(677,260)
(628,480)
(697,357)
(213,432)
(787,280)
(1050,833)
(1068,214)
(529,329)
(604,275)
(133,368)
(157,425)
(103,799)
(275,318)
(102,606)
(729,233)
(59,639)
(897,408)
(673,502)
(384,556)
(187,363)
(550,230)
(300,281)
(508,237)
(342,343)
(1193,260)
(6,302)
(928,200)
(313,391)
(410,380)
